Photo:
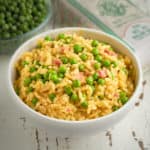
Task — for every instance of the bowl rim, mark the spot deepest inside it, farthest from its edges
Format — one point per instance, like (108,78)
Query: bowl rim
(35,29)
(69,122)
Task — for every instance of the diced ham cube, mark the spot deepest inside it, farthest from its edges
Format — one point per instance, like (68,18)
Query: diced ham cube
(68,110)
(87,73)
(102,73)
(92,62)
(57,62)
(116,95)
(109,52)
(62,50)
(80,76)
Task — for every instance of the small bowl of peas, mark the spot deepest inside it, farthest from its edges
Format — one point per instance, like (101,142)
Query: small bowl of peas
(20,20)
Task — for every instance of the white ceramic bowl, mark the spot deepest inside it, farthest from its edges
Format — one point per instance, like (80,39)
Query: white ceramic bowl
(76,128)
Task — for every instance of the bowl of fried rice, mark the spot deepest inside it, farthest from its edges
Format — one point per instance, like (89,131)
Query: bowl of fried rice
(74,81)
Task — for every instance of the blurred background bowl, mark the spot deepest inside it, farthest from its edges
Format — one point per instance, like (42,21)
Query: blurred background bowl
(8,46)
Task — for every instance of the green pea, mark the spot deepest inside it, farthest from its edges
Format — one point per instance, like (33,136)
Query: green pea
(111,49)
(95,51)
(101,81)
(73,61)
(64,60)
(43,80)
(54,78)
(17,90)
(124,100)
(6,35)
(11,21)
(52,71)
(97,65)
(61,36)
(27,81)
(24,28)
(24,63)
(2,22)
(13,34)
(15,16)
(38,63)
(40,6)
(76,83)
(98,58)
(19,32)
(95,76)
(124,70)
(61,75)
(2,8)
(30,89)
(33,78)
(92,87)
(74,97)
(68,90)
(46,76)
(94,43)
(44,66)
(2,16)
(48,38)
(68,39)
(32,69)
(34,101)
(22,19)
(114,108)
(84,104)
(84,57)
(37,77)
(13,28)
(52,96)
(12,8)
(106,63)
(123,97)
(17,10)
(77,48)
(62,69)
(6,27)
(81,67)
(90,80)
(39,14)
(114,64)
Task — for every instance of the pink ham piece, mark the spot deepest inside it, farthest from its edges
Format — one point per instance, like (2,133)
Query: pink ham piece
(109,52)
(102,73)
(80,76)
(92,62)
(57,62)
(116,95)
(87,73)
(68,110)
(62,50)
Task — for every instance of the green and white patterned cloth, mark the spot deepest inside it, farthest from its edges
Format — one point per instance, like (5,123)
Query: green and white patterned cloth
(129,20)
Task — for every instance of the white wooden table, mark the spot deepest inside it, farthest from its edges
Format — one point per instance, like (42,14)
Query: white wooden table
(16,132)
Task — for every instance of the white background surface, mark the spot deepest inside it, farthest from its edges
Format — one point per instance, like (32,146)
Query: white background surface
(16,132)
